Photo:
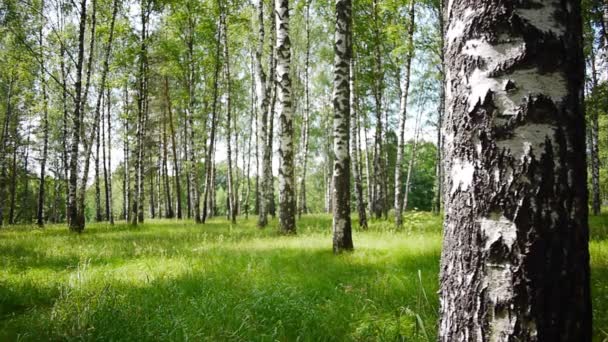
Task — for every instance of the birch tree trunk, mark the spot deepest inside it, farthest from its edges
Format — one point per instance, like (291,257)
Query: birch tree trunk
(105,167)
(176,170)
(209,194)
(110,213)
(25,196)
(126,165)
(13,185)
(405,88)
(65,156)
(303,208)
(368,172)
(98,213)
(272,95)
(85,96)
(89,64)
(412,161)
(378,164)
(4,149)
(74,222)
(232,205)
(596,204)
(152,204)
(515,260)
(193,173)
(88,143)
(186,168)
(287,203)
(354,144)
(45,131)
(169,213)
(138,200)
(252,119)
(196,204)
(440,115)
(342,231)
(262,92)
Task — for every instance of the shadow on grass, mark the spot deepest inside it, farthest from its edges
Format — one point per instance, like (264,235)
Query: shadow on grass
(281,293)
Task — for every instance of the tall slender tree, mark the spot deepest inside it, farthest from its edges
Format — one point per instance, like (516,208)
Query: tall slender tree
(232,198)
(76,225)
(287,202)
(272,98)
(515,260)
(105,159)
(354,145)
(138,198)
(209,195)
(440,110)
(343,49)
(109,206)
(44,125)
(174,155)
(405,88)
(411,163)
(262,93)
(596,205)
(378,150)
(126,165)
(303,208)
(98,213)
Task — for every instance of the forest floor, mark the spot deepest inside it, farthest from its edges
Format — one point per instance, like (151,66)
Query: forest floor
(170,280)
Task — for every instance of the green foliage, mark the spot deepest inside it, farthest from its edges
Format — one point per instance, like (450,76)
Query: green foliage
(423,176)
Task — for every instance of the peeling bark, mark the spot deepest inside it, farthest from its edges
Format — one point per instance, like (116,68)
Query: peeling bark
(343,49)
(287,203)
(515,261)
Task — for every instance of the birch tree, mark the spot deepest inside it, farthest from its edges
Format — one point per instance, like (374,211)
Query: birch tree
(262,102)
(405,87)
(515,260)
(45,127)
(232,205)
(342,232)
(287,203)
(378,161)
(303,208)
(75,224)
(354,145)
(208,196)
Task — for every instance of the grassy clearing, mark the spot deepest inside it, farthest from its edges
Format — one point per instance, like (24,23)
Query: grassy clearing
(169,280)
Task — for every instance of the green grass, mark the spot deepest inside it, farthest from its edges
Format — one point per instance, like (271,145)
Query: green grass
(169,280)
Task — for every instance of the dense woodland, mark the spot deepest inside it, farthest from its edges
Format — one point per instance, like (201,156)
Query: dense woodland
(126,110)
(135,110)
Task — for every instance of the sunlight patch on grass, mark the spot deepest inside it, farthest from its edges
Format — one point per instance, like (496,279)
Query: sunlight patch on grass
(170,280)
